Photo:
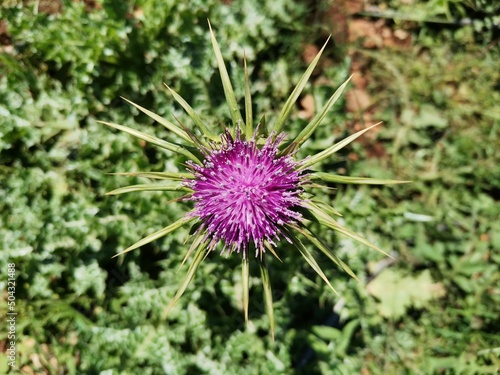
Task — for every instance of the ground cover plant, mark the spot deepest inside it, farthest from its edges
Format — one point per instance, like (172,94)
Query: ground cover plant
(432,309)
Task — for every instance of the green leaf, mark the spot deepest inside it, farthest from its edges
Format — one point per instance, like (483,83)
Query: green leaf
(327,333)
(333,149)
(154,140)
(310,259)
(341,338)
(262,127)
(346,337)
(319,346)
(194,116)
(311,127)
(167,124)
(397,293)
(268,294)
(154,236)
(189,276)
(172,186)
(326,207)
(196,242)
(271,249)
(329,177)
(325,250)
(177,176)
(201,144)
(290,103)
(318,186)
(245,278)
(324,219)
(226,82)
(248,103)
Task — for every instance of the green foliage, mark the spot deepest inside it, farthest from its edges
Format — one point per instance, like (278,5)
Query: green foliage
(480,16)
(82,312)
(398,293)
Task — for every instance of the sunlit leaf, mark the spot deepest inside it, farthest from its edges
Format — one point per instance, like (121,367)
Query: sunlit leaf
(271,249)
(196,242)
(325,219)
(333,149)
(248,103)
(194,116)
(326,207)
(329,177)
(290,103)
(167,124)
(226,82)
(189,276)
(154,140)
(314,239)
(311,127)
(397,292)
(173,186)
(154,236)
(268,294)
(157,175)
(310,259)
(245,278)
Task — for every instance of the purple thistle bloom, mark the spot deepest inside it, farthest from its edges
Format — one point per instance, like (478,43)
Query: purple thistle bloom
(247,193)
(244,193)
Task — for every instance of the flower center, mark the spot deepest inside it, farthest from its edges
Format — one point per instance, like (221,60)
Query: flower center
(245,194)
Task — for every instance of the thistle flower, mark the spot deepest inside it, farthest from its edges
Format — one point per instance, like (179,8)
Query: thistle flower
(244,194)
(248,192)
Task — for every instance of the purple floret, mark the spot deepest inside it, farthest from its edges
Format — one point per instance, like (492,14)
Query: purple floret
(244,193)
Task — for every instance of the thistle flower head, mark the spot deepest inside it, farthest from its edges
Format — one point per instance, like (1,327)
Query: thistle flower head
(245,194)
(247,190)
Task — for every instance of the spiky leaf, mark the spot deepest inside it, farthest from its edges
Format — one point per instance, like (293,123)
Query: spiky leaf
(310,259)
(325,219)
(171,186)
(226,82)
(326,207)
(314,239)
(154,140)
(333,149)
(167,124)
(311,127)
(187,279)
(176,176)
(248,103)
(268,294)
(290,103)
(245,279)
(196,242)
(329,177)
(194,116)
(158,234)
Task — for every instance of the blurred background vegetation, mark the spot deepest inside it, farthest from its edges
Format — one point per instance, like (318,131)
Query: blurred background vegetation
(428,69)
